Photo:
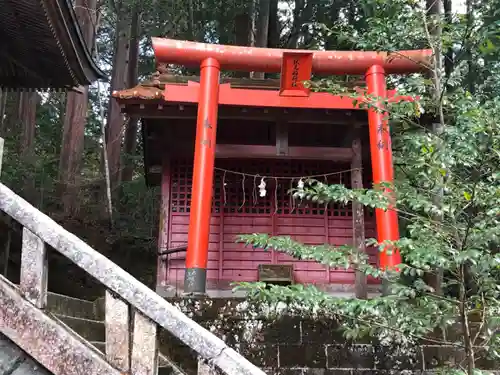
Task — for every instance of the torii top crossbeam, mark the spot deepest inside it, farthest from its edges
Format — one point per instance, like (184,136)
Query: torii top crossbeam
(269,60)
(296,66)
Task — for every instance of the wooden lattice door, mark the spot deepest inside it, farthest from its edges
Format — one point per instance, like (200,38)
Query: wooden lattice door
(238,209)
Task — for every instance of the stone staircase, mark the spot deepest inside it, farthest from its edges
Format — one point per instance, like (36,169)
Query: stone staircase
(49,333)
(86,318)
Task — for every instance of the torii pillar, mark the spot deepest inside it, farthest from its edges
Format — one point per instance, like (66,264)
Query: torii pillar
(212,58)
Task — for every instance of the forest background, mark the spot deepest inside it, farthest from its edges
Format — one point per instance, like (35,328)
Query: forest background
(77,158)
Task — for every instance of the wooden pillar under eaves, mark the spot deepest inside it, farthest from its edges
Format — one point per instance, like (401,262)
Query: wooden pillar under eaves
(358,214)
(164,214)
(281,138)
(164,220)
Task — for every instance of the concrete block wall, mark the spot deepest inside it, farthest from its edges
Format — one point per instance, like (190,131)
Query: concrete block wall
(293,345)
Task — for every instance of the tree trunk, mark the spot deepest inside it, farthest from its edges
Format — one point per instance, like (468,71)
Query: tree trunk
(116,120)
(293,40)
(27,118)
(131,132)
(273,35)
(471,74)
(449,58)
(262,33)
(3,103)
(75,118)
(434,12)
(252,12)
(464,320)
(358,212)
(12,110)
(242,30)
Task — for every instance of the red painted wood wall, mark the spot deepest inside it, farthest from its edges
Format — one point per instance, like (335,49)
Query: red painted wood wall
(237,209)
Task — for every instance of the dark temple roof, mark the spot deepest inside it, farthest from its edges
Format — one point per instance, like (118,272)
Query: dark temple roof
(42,47)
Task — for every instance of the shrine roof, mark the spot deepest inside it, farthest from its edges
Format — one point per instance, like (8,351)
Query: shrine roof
(162,121)
(152,89)
(43,46)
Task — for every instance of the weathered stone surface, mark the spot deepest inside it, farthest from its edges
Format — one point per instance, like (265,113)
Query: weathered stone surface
(34,268)
(242,325)
(285,330)
(64,305)
(205,369)
(100,308)
(262,355)
(144,359)
(284,371)
(350,356)
(311,355)
(29,367)
(205,308)
(398,358)
(124,285)
(485,363)
(438,356)
(14,361)
(179,353)
(90,330)
(48,342)
(325,331)
(117,326)
(320,371)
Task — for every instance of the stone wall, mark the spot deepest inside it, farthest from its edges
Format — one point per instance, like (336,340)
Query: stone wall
(294,345)
(13,361)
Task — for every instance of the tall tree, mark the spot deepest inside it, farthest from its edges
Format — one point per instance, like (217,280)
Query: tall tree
(451,222)
(433,29)
(262,29)
(3,103)
(12,112)
(115,119)
(243,31)
(75,118)
(273,34)
(27,119)
(132,72)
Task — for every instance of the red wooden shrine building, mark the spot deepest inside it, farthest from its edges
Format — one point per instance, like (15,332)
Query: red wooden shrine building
(226,152)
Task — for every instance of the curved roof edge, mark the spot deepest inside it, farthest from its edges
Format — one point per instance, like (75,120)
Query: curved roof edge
(71,41)
(43,47)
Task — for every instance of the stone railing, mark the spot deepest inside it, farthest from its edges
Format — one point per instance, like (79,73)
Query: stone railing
(131,352)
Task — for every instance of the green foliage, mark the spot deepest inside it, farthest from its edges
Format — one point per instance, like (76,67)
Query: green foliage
(338,257)
(321,193)
(447,188)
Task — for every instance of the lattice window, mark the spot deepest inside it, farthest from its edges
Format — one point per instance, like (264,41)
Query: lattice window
(181,180)
(181,185)
(239,192)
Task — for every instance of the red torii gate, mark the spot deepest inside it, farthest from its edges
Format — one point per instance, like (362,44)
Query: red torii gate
(296,66)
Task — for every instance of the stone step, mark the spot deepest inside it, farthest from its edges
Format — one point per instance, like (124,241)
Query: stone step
(99,345)
(69,306)
(99,308)
(165,367)
(90,330)
(86,319)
